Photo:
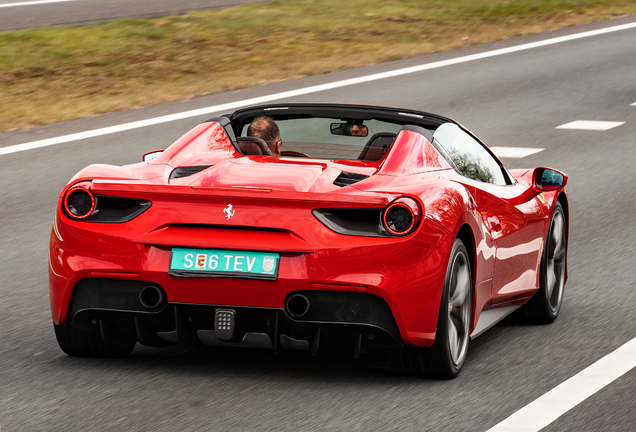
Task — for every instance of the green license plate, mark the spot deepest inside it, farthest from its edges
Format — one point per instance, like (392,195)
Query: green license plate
(186,262)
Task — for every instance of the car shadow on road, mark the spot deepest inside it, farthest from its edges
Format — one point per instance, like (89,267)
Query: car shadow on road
(245,362)
(290,366)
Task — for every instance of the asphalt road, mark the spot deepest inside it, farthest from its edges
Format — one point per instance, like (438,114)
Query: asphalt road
(516,99)
(72,12)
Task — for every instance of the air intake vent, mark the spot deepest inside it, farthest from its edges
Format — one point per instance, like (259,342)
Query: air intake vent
(347,178)
(181,172)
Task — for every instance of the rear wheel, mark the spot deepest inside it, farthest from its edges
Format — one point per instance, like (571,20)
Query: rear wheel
(82,343)
(445,358)
(544,306)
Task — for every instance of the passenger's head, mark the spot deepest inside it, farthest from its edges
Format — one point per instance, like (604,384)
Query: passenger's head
(266,129)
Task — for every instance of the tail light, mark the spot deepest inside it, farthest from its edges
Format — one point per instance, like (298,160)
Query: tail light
(79,202)
(401,216)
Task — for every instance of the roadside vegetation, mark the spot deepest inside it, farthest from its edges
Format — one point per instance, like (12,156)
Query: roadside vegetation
(54,74)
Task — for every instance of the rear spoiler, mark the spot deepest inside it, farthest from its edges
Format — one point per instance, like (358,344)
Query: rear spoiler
(136,190)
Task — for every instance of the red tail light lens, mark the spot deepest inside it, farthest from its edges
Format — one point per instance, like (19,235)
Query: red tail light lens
(79,202)
(401,216)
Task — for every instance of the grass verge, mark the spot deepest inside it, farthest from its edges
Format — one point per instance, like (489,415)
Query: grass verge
(49,75)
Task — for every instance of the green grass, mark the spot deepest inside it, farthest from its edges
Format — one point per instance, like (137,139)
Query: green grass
(55,74)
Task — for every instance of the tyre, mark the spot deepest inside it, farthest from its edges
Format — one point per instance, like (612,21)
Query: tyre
(445,358)
(82,343)
(544,306)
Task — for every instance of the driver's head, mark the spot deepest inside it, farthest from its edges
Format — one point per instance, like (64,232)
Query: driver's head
(357,130)
(266,129)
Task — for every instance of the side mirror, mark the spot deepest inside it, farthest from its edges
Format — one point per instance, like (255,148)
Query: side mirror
(543,180)
(347,129)
(547,179)
(151,155)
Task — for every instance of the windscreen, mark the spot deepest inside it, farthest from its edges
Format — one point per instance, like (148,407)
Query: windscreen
(334,138)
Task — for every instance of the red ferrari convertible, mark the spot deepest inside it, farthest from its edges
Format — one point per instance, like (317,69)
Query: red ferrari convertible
(362,228)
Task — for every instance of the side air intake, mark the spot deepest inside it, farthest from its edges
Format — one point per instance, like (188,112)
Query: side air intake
(186,171)
(347,179)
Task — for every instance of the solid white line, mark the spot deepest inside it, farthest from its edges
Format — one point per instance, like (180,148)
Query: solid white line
(31,3)
(514,152)
(308,90)
(590,125)
(565,396)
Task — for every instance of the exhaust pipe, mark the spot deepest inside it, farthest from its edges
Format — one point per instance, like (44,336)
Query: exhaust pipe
(298,305)
(151,296)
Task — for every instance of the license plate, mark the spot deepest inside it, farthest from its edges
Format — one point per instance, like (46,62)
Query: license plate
(186,262)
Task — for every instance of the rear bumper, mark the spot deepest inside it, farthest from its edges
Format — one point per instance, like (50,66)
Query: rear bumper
(335,321)
(405,274)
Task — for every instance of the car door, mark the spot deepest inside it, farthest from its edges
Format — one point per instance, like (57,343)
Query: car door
(514,223)
(517,227)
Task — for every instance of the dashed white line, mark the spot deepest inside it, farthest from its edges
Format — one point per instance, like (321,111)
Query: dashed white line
(634,104)
(31,3)
(567,395)
(514,152)
(308,90)
(590,125)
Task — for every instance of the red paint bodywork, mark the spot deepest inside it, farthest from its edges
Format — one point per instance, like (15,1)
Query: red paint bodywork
(274,198)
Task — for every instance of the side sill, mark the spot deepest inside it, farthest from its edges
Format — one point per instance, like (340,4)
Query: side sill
(489,318)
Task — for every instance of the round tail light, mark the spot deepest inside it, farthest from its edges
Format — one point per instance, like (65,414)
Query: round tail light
(401,216)
(79,202)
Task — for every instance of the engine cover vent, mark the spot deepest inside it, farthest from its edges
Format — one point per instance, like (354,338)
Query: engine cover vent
(347,179)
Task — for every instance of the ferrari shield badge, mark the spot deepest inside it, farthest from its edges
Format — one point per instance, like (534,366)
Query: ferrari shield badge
(229,211)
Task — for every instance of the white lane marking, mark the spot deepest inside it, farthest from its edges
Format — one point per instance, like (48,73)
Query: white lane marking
(567,395)
(308,90)
(634,104)
(590,125)
(514,152)
(31,3)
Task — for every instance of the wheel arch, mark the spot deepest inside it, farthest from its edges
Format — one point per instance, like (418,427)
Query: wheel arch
(466,235)
(563,200)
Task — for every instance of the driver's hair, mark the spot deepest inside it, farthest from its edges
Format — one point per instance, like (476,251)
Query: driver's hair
(264,128)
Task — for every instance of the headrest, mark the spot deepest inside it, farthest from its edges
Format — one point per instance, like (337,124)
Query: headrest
(253,146)
(377,146)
